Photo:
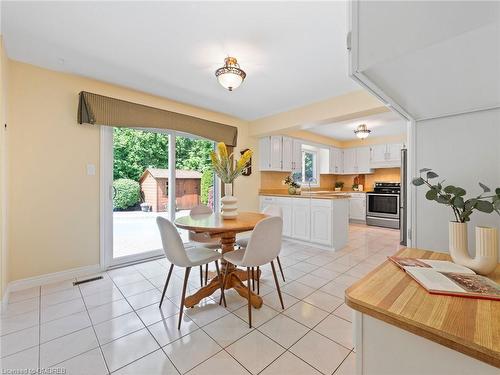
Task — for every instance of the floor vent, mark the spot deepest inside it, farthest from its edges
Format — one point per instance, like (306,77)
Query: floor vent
(87,280)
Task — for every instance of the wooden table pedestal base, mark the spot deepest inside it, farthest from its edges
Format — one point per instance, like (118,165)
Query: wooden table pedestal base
(235,278)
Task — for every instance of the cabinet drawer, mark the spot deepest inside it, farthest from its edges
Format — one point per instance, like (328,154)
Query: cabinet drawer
(321,203)
(358,195)
(265,199)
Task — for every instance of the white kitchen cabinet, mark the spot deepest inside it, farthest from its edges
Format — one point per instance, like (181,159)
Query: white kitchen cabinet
(357,206)
(286,207)
(321,221)
(279,153)
(378,155)
(394,153)
(276,153)
(270,153)
(385,155)
(287,154)
(297,156)
(357,160)
(301,219)
(350,161)
(336,161)
(363,160)
(265,153)
(266,201)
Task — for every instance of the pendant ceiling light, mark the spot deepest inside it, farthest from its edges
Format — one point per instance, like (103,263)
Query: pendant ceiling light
(230,76)
(362,131)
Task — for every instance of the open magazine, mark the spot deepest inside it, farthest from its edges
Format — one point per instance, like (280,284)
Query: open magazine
(448,278)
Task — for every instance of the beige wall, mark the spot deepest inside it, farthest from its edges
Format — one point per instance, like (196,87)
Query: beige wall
(4,277)
(53,220)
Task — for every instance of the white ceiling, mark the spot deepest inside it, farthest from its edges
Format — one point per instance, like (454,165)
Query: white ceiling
(294,53)
(381,125)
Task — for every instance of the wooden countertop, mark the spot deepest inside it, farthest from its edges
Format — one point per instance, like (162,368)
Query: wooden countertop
(470,326)
(332,195)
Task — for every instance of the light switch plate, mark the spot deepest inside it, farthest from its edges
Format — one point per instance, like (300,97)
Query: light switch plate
(90,170)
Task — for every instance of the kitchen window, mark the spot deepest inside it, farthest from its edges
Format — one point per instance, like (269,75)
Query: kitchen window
(309,173)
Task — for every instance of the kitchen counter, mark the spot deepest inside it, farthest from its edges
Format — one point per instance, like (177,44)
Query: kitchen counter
(389,304)
(314,195)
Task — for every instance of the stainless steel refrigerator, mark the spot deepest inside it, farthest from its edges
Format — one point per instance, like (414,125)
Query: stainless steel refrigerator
(403,222)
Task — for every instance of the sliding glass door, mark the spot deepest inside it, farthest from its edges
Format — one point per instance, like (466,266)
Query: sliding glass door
(146,174)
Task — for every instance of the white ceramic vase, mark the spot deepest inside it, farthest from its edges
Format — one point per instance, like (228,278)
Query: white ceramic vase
(229,209)
(486,257)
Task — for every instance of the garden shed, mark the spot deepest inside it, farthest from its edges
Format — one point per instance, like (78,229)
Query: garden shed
(154,188)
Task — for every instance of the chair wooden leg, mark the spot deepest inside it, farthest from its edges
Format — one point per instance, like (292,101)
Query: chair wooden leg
(277,285)
(224,278)
(249,296)
(201,275)
(206,274)
(221,281)
(184,287)
(281,269)
(258,280)
(166,284)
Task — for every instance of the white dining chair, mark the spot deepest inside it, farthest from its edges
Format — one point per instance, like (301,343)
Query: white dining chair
(271,210)
(263,247)
(203,239)
(179,256)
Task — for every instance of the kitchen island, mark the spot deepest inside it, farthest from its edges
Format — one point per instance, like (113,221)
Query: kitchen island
(321,219)
(400,328)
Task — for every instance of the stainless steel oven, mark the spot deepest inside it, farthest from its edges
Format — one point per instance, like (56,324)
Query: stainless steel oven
(382,205)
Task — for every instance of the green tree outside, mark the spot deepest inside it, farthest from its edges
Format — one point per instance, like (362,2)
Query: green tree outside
(136,150)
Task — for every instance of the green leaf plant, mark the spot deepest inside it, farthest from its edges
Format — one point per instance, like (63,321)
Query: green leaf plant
(454,196)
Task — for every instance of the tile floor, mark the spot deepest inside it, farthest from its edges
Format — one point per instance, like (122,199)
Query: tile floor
(114,325)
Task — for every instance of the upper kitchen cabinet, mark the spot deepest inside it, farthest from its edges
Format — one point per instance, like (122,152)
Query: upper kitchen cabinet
(279,153)
(385,155)
(424,69)
(356,160)
(336,160)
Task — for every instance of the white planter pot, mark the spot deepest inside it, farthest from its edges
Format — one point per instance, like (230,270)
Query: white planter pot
(229,209)
(486,257)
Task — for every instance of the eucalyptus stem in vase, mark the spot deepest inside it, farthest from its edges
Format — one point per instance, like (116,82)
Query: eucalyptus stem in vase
(486,257)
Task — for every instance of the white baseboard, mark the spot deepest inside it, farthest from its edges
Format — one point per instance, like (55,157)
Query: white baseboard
(49,278)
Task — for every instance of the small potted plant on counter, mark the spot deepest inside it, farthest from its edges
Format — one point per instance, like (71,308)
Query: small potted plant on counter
(339,185)
(355,187)
(293,187)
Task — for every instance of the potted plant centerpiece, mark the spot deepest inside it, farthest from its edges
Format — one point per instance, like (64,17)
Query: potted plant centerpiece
(339,185)
(228,170)
(486,238)
(293,187)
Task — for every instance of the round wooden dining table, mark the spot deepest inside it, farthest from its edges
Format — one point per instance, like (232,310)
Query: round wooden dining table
(216,226)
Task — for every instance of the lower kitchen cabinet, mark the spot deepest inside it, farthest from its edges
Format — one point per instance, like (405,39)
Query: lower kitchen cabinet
(301,219)
(321,221)
(357,207)
(317,221)
(286,207)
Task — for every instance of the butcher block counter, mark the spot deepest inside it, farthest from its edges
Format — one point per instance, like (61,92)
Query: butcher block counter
(308,195)
(447,334)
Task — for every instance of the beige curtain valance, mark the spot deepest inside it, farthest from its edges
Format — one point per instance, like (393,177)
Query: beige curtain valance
(103,110)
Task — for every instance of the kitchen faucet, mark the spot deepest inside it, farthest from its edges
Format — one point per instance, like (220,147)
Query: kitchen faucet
(313,180)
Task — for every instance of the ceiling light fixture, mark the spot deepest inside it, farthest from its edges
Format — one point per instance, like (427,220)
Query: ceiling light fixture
(362,131)
(230,76)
